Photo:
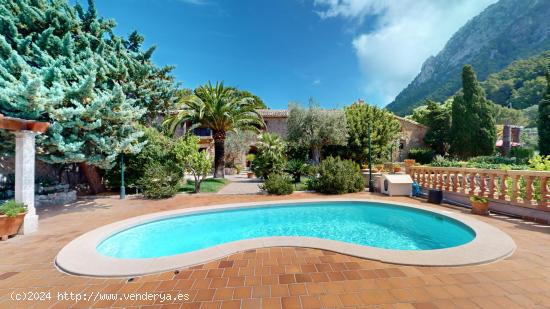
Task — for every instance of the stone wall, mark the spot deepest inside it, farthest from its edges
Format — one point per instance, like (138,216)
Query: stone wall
(412,136)
(43,170)
(276,125)
(53,199)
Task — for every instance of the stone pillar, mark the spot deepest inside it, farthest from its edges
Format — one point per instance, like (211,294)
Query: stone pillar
(24,177)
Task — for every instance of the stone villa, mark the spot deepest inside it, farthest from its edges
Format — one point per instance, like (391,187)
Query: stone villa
(412,134)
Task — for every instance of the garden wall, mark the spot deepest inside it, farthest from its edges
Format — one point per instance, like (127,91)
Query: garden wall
(43,170)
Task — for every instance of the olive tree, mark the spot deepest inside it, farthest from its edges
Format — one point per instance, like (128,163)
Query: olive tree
(315,128)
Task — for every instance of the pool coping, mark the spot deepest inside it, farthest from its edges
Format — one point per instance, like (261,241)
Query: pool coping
(80,257)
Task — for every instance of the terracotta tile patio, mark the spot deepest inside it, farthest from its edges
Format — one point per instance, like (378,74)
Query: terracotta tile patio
(270,277)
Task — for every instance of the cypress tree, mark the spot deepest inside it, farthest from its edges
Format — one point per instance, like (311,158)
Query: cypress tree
(544,120)
(473,131)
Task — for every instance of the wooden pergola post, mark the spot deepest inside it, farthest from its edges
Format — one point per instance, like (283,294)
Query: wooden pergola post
(25,132)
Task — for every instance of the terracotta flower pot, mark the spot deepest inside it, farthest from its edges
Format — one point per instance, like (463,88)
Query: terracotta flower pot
(410,162)
(250,175)
(10,225)
(40,127)
(480,208)
(397,169)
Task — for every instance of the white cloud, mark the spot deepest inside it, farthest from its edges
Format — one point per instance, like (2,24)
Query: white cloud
(405,34)
(316,82)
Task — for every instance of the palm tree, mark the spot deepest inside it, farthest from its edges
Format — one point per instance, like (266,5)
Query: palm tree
(221,109)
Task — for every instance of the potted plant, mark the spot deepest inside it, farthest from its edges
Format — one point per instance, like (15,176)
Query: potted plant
(396,168)
(410,162)
(480,205)
(12,214)
(250,158)
(238,168)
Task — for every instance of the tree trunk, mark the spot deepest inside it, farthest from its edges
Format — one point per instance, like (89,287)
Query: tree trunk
(316,155)
(197,184)
(92,177)
(219,154)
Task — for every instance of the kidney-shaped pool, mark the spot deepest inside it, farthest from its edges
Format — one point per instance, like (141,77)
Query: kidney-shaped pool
(389,232)
(362,223)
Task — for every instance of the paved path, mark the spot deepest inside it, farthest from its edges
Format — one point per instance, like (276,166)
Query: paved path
(240,184)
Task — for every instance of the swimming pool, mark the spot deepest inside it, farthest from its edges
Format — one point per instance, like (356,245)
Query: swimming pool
(382,230)
(362,223)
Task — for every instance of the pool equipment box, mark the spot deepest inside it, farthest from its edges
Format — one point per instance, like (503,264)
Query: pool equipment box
(396,184)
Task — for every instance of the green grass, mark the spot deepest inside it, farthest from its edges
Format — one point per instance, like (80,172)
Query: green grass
(210,185)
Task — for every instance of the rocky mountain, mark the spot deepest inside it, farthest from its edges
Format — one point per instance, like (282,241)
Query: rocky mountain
(504,32)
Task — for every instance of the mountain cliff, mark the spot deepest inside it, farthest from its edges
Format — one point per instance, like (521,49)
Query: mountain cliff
(504,32)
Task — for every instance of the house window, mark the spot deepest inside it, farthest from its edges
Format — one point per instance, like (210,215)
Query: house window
(202,132)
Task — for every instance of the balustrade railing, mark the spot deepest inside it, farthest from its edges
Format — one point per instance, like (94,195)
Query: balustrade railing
(521,188)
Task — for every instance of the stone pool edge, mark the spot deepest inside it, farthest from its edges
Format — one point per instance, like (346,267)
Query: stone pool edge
(80,256)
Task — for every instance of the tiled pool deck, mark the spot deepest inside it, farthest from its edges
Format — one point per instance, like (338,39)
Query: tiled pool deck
(272,277)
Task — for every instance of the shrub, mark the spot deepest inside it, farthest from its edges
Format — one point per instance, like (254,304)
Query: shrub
(270,157)
(279,184)
(540,163)
(158,148)
(159,181)
(12,208)
(337,176)
(491,160)
(297,168)
(481,162)
(440,161)
(522,154)
(495,162)
(421,155)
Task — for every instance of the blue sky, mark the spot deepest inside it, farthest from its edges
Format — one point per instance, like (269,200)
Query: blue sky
(335,51)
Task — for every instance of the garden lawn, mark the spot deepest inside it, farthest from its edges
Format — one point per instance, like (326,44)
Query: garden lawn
(210,185)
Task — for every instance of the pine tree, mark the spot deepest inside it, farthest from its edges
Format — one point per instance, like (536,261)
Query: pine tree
(62,64)
(544,120)
(473,131)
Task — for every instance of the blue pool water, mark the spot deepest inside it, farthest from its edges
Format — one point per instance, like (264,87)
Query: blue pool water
(364,223)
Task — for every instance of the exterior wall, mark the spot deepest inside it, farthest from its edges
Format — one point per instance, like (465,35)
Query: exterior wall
(412,136)
(277,125)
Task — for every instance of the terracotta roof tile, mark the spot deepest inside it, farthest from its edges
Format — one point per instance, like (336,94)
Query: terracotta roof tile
(282,113)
